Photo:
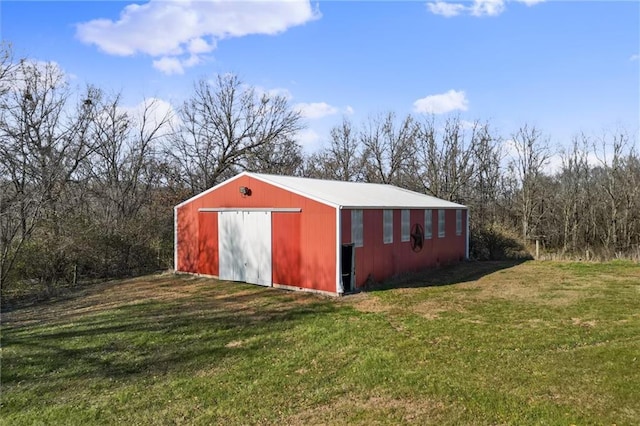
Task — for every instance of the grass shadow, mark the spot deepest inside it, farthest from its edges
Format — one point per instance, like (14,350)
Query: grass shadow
(119,336)
(446,275)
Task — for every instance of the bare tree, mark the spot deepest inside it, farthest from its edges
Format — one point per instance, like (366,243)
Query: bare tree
(342,159)
(123,167)
(280,157)
(8,67)
(618,162)
(531,154)
(388,148)
(575,189)
(314,165)
(222,125)
(42,143)
(446,158)
(344,153)
(486,186)
(122,177)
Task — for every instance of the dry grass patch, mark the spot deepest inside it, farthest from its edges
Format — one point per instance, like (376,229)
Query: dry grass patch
(553,284)
(374,410)
(582,323)
(162,288)
(104,297)
(530,282)
(364,302)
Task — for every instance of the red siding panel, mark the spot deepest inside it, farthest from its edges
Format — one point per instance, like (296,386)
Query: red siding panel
(381,261)
(187,245)
(311,234)
(318,248)
(208,243)
(285,249)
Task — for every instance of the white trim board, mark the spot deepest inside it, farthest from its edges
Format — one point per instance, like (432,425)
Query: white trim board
(250,209)
(175,238)
(338,245)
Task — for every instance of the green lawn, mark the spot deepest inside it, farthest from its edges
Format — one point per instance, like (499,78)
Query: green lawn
(488,343)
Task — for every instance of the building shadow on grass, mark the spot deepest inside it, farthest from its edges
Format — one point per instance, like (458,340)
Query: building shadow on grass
(446,275)
(134,336)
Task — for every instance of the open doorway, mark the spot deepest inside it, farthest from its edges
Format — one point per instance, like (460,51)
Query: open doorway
(347,261)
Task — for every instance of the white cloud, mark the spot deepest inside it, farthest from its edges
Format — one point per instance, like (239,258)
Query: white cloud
(487,7)
(468,125)
(173,28)
(349,110)
(175,65)
(442,103)
(309,139)
(199,45)
(531,2)
(157,111)
(634,57)
(553,164)
(169,65)
(316,109)
(446,9)
(192,61)
(476,8)
(509,150)
(278,91)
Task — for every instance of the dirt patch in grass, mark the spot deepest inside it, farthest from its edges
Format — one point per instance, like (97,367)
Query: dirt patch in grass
(582,323)
(425,302)
(432,309)
(368,303)
(376,410)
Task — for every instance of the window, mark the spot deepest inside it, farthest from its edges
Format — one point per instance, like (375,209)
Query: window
(388,226)
(356,228)
(428,224)
(440,223)
(458,222)
(405,225)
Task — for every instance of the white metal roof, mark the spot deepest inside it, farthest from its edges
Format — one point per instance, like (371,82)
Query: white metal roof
(355,194)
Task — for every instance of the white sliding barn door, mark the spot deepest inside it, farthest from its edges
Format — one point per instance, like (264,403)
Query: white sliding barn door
(230,246)
(244,243)
(257,247)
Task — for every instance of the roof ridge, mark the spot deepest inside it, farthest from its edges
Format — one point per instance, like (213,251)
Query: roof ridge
(324,180)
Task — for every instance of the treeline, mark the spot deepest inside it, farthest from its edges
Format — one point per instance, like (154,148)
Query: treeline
(587,206)
(87,186)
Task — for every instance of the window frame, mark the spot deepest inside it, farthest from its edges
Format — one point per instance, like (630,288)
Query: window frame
(428,224)
(458,222)
(357,227)
(405,225)
(387,226)
(442,217)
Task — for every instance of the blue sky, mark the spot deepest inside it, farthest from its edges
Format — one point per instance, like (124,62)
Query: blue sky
(563,66)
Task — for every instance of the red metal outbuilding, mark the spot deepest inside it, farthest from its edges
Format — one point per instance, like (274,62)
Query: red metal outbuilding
(317,235)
